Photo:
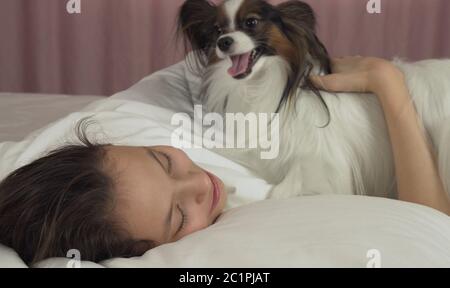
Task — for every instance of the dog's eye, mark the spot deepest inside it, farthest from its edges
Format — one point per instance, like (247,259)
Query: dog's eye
(251,22)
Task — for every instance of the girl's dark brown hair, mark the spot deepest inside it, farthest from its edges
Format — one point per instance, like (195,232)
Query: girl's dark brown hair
(64,201)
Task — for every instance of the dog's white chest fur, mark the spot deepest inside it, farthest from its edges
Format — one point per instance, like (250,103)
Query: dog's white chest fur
(352,155)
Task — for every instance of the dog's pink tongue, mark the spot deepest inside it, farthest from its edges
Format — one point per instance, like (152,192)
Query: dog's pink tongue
(240,64)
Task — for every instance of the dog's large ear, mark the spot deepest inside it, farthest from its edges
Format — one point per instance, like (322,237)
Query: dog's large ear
(196,22)
(299,24)
(299,12)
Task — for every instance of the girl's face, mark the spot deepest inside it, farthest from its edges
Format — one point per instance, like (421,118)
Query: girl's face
(162,195)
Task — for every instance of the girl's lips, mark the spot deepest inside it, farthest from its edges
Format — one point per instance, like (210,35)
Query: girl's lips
(216,191)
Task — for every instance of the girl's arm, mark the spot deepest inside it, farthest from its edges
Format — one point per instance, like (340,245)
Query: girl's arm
(416,171)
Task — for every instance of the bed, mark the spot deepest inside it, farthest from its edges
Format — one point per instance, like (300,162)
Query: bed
(22,113)
(313,231)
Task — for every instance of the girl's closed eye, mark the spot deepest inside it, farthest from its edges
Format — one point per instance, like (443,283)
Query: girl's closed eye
(183,220)
(168,161)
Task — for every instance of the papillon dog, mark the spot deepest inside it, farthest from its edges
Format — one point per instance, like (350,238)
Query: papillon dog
(257,57)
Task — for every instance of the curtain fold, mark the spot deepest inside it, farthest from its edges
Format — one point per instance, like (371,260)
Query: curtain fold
(114,43)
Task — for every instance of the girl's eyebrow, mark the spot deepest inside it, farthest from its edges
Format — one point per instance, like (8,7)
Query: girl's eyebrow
(168,221)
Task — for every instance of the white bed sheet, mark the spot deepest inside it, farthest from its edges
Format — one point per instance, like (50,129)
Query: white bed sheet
(22,113)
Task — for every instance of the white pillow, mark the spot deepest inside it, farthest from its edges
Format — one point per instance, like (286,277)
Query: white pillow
(10,259)
(313,231)
(176,88)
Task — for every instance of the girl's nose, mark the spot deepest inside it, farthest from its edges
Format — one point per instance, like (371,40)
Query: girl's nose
(196,186)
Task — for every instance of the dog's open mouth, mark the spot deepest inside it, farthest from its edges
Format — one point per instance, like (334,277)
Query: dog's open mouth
(242,64)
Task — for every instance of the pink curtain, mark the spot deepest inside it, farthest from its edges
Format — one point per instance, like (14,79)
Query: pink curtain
(114,43)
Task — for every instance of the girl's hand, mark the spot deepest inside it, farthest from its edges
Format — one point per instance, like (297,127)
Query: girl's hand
(358,74)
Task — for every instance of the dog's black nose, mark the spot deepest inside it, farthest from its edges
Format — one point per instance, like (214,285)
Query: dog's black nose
(225,43)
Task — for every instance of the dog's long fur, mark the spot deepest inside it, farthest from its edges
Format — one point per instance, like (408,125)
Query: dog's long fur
(341,147)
